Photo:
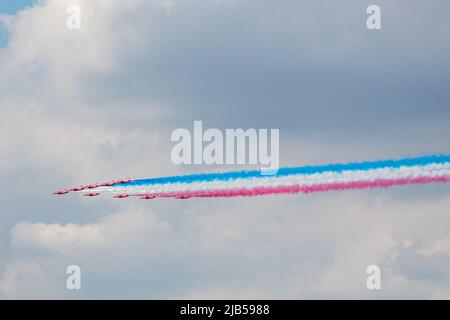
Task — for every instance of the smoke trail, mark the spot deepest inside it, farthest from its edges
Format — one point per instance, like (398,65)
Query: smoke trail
(308,179)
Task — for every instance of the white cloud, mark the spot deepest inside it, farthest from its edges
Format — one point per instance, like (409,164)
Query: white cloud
(42,251)
(27,280)
(249,248)
(76,108)
(115,232)
(65,239)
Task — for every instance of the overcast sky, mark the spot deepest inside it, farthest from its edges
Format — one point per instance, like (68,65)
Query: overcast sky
(100,103)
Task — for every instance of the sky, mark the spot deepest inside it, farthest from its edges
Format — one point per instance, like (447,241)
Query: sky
(100,103)
(10,7)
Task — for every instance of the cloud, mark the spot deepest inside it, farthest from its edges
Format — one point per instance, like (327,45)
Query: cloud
(42,252)
(80,107)
(251,249)
(26,280)
(60,238)
(109,234)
